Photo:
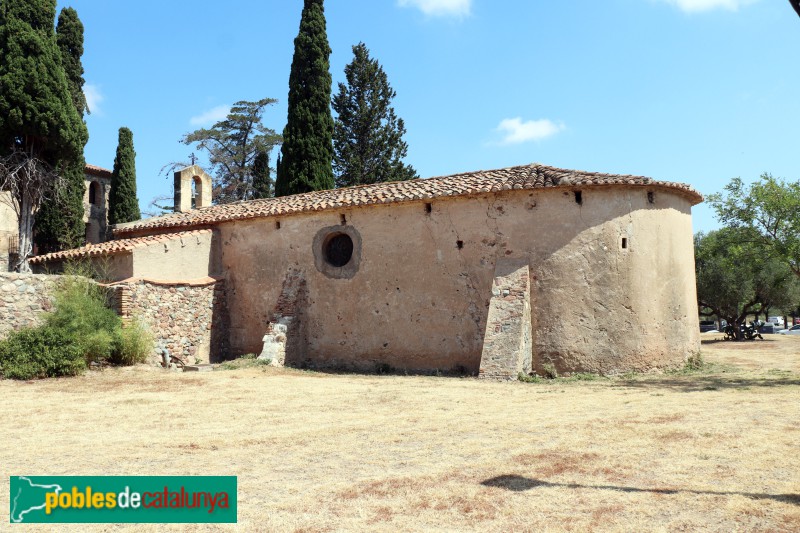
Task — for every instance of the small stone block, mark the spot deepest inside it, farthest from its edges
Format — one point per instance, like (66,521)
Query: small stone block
(198,368)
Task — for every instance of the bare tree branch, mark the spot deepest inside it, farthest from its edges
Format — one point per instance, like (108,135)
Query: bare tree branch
(30,182)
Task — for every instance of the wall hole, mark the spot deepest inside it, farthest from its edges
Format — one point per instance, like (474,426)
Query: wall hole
(578,197)
(94,193)
(428,208)
(277,224)
(651,197)
(624,243)
(338,249)
(460,244)
(343,219)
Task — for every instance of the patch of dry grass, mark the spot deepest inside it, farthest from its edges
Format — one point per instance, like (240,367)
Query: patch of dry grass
(712,451)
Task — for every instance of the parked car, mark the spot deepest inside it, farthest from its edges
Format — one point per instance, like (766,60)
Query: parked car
(777,320)
(708,325)
(794,330)
(768,327)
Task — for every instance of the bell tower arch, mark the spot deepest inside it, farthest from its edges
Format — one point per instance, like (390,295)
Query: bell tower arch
(192,189)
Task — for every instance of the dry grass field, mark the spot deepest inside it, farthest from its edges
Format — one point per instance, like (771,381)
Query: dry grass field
(715,450)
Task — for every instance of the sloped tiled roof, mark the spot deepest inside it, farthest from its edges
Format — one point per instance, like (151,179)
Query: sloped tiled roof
(114,247)
(532,176)
(97,171)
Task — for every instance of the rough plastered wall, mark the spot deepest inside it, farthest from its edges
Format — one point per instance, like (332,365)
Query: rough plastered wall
(23,300)
(106,267)
(188,319)
(8,228)
(419,297)
(182,258)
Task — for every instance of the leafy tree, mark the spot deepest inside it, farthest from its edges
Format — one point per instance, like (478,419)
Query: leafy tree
(307,151)
(262,180)
(368,144)
(737,276)
(777,286)
(59,223)
(771,207)
(40,129)
(123,206)
(232,145)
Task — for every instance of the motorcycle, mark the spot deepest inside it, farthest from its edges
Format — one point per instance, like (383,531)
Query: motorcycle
(751,332)
(748,332)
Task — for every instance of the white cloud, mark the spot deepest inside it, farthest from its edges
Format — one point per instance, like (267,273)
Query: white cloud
(440,8)
(515,131)
(696,6)
(211,116)
(93,99)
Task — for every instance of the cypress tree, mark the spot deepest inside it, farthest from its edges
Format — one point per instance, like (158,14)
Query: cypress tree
(262,181)
(123,206)
(60,221)
(307,151)
(36,111)
(69,35)
(38,119)
(368,144)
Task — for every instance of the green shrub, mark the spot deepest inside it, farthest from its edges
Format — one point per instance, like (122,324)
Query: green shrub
(550,371)
(82,329)
(98,346)
(695,362)
(39,353)
(81,310)
(132,344)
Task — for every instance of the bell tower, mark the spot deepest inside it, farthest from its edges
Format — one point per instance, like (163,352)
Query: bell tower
(192,189)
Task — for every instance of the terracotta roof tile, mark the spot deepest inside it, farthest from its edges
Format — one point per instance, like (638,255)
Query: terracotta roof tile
(122,246)
(97,171)
(532,176)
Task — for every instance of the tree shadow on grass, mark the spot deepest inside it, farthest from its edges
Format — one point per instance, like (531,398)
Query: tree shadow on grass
(737,344)
(697,383)
(517,483)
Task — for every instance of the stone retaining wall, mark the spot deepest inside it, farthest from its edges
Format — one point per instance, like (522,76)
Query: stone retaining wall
(189,320)
(23,300)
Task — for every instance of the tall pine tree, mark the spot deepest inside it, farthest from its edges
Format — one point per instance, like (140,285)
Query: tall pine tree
(368,144)
(123,206)
(60,221)
(232,145)
(38,119)
(307,151)
(262,181)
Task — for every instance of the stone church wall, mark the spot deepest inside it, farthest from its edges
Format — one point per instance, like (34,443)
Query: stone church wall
(611,280)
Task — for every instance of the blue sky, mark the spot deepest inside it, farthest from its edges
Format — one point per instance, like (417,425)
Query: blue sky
(697,91)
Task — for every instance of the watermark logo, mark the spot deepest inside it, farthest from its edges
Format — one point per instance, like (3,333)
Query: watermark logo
(122,499)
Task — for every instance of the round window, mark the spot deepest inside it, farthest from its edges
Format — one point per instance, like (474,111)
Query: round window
(338,249)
